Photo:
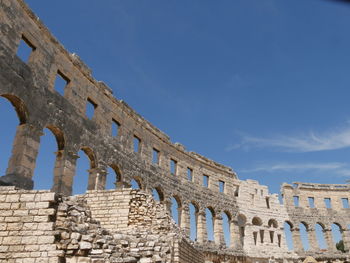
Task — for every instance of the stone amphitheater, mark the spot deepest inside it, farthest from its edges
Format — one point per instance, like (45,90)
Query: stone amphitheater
(125,224)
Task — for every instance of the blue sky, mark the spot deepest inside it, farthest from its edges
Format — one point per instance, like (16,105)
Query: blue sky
(258,85)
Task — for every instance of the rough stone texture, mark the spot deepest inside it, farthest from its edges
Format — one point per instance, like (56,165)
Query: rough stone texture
(103,226)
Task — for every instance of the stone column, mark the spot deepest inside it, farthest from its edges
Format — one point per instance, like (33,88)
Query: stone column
(234,235)
(96,181)
(202,235)
(297,245)
(64,172)
(237,236)
(185,219)
(346,238)
(329,239)
(311,233)
(22,162)
(219,238)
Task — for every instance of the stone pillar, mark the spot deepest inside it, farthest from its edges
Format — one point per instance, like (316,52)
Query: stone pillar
(97,178)
(346,238)
(297,245)
(234,235)
(185,219)
(311,233)
(237,236)
(202,235)
(21,164)
(329,239)
(219,238)
(64,172)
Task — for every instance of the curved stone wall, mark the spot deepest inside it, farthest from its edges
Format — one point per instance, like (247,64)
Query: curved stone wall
(256,217)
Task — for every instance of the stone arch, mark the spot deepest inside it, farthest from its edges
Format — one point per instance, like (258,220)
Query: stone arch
(19,106)
(272,223)
(303,229)
(87,159)
(320,235)
(25,138)
(90,153)
(176,209)
(288,229)
(113,176)
(290,224)
(49,159)
(337,232)
(226,227)
(210,223)
(138,181)
(194,211)
(160,192)
(256,221)
(59,135)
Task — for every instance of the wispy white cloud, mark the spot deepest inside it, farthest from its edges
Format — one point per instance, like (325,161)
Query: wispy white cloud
(335,168)
(310,142)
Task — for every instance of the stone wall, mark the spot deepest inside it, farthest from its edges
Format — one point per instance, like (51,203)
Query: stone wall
(27,221)
(302,210)
(255,216)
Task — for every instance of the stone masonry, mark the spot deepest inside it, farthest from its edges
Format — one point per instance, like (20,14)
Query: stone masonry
(126,225)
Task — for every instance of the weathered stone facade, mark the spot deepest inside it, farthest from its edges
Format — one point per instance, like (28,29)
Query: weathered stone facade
(125,225)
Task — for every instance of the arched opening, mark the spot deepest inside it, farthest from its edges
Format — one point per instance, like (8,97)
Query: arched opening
(157,194)
(303,228)
(136,183)
(226,223)
(113,177)
(288,227)
(13,114)
(319,229)
(193,221)
(337,231)
(256,221)
(176,209)
(209,216)
(84,169)
(241,221)
(51,142)
(272,223)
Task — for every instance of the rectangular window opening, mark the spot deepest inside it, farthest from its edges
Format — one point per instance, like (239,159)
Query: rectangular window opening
(221,186)
(311,202)
(261,192)
(90,108)
(255,235)
(137,144)
(189,174)
(25,49)
(296,200)
(237,191)
(173,167)
(345,202)
(267,202)
(279,237)
(155,156)
(261,236)
(115,128)
(61,82)
(206,181)
(271,236)
(327,202)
